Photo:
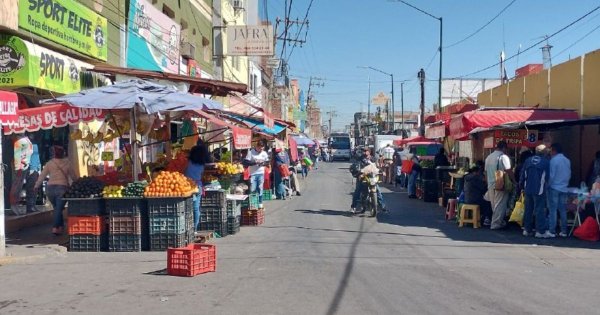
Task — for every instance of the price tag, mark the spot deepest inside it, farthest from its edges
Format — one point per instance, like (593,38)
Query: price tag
(108,156)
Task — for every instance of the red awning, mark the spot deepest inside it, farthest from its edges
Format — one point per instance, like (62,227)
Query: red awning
(401,142)
(52,116)
(462,124)
(293,149)
(242,137)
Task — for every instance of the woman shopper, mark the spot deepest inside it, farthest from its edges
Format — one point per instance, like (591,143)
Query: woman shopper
(280,172)
(60,174)
(198,157)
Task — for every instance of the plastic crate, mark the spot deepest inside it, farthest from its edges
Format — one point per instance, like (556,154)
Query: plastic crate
(192,260)
(167,206)
(213,199)
(253,217)
(125,243)
(251,202)
(167,224)
(91,225)
(125,225)
(234,208)
(233,225)
(213,215)
(88,243)
(161,242)
(85,206)
(125,206)
(145,229)
(218,227)
(268,194)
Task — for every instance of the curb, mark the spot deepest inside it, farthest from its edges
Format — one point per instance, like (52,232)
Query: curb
(52,250)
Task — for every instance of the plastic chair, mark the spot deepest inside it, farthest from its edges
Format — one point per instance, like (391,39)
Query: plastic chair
(451,209)
(469,214)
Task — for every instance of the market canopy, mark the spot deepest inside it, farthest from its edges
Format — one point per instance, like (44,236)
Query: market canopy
(462,124)
(152,98)
(52,116)
(241,137)
(401,142)
(303,141)
(255,123)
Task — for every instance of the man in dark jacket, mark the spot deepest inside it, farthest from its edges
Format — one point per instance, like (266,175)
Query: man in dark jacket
(441,159)
(475,188)
(534,179)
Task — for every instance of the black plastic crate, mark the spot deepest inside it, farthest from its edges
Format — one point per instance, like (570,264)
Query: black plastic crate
(213,215)
(161,242)
(85,206)
(88,243)
(125,224)
(167,206)
(125,243)
(125,206)
(213,199)
(234,208)
(167,224)
(218,227)
(233,225)
(145,229)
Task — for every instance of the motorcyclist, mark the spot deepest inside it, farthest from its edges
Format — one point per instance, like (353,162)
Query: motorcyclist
(355,169)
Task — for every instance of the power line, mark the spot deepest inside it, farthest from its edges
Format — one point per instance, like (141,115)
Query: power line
(301,27)
(532,46)
(482,27)
(578,41)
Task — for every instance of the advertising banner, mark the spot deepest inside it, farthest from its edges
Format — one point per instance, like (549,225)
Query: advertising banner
(250,40)
(268,120)
(242,138)
(68,23)
(153,39)
(299,115)
(52,116)
(25,64)
(9,107)
(516,138)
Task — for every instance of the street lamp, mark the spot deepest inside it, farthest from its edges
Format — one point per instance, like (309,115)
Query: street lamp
(393,108)
(440,49)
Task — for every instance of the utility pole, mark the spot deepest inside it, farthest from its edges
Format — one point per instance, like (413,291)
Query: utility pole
(393,107)
(402,106)
(332,113)
(368,113)
(421,76)
(313,81)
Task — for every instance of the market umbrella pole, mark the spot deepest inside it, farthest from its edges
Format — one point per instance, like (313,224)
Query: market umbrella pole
(134,146)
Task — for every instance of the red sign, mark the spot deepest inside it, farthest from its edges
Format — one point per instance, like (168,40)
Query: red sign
(242,138)
(269,121)
(9,106)
(52,116)
(193,69)
(293,149)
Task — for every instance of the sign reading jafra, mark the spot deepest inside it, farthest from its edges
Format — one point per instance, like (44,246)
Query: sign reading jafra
(68,23)
(250,40)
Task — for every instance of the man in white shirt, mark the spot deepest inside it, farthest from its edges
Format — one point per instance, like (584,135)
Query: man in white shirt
(388,161)
(498,160)
(256,160)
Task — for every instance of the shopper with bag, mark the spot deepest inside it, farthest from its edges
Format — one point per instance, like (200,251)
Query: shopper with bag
(281,170)
(534,180)
(500,180)
(560,175)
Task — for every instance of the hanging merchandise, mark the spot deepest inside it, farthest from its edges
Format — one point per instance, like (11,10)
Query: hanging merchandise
(189,130)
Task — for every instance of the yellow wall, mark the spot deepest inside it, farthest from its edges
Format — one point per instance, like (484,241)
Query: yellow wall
(230,71)
(565,88)
(591,89)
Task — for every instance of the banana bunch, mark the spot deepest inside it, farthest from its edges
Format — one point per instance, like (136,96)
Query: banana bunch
(224,168)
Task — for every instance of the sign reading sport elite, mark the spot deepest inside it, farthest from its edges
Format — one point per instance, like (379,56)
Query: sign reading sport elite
(250,40)
(68,23)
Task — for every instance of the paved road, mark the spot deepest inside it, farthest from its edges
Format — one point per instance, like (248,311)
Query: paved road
(311,257)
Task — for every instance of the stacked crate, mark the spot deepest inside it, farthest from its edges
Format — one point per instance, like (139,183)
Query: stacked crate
(251,214)
(127,229)
(87,225)
(234,216)
(213,212)
(168,219)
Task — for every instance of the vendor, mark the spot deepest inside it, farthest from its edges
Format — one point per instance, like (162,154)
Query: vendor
(256,160)
(198,157)
(475,189)
(441,159)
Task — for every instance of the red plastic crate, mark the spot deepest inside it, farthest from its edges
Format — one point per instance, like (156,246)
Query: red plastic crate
(191,260)
(253,217)
(91,225)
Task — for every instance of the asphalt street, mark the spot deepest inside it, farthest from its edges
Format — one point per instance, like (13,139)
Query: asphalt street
(312,257)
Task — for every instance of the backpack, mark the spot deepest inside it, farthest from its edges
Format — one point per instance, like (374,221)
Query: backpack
(355,169)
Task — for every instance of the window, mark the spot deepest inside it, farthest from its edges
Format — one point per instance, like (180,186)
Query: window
(251,83)
(184,24)
(167,11)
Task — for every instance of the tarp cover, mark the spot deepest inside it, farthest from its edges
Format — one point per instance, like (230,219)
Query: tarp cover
(461,125)
(401,142)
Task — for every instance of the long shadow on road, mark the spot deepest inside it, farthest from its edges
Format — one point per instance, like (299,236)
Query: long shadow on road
(416,213)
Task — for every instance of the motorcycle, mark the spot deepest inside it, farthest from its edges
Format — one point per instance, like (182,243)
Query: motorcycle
(368,195)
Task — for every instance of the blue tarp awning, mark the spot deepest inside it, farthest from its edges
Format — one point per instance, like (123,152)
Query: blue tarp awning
(258,124)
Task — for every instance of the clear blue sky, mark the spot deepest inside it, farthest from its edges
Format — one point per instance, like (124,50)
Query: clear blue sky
(393,37)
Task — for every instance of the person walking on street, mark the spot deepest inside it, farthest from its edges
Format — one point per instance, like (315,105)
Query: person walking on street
(256,160)
(534,180)
(414,174)
(498,161)
(280,172)
(560,175)
(60,174)
(302,156)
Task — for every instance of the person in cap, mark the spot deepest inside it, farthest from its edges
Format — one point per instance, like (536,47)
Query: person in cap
(534,180)
(560,175)
(498,161)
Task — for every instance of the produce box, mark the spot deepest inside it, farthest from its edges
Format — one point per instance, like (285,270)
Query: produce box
(88,243)
(192,260)
(213,199)
(125,243)
(217,227)
(268,194)
(91,225)
(234,208)
(162,241)
(253,217)
(85,206)
(213,215)
(251,202)
(126,206)
(119,225)
(233,225)
(167,224)
(169,206)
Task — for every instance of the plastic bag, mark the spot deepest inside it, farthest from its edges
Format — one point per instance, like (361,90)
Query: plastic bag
(588,231)
(519,211)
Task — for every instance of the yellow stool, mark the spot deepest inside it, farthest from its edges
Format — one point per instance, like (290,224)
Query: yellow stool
(474,217)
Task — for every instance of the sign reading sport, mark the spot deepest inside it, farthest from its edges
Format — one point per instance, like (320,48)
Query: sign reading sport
(68,23)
